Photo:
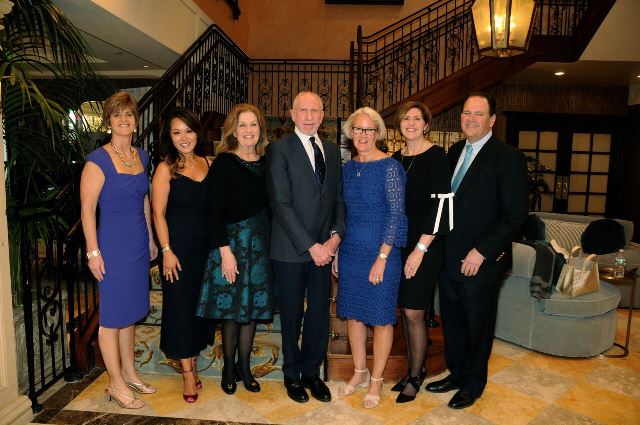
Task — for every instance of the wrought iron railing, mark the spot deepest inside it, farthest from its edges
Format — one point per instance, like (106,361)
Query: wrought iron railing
(56,302)
(212,75)
(433,43)
(274,83)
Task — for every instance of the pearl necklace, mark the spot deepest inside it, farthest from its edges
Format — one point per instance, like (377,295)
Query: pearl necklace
(122,158)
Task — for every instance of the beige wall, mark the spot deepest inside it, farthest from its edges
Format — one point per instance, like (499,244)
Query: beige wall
(220,13)
(334,26)
(157,19)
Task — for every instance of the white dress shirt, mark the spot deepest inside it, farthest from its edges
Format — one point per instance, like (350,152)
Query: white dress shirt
(307,146)
(476,148)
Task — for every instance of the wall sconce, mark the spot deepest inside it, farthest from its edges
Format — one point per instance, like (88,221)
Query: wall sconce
(503,27)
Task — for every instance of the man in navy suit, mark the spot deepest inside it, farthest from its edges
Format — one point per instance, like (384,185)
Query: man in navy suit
(304,181)
(490,207)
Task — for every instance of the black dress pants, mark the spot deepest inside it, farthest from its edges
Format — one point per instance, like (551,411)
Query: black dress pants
(468,319)
(293,281)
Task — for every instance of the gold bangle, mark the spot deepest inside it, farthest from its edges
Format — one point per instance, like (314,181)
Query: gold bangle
(165,248)
(93,253)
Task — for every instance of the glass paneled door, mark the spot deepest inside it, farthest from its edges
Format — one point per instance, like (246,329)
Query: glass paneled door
(574,155)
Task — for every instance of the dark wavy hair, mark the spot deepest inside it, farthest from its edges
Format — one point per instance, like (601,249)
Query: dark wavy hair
(168,151)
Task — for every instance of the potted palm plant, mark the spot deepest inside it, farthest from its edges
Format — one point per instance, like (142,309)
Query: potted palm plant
(46,71)
(538,187)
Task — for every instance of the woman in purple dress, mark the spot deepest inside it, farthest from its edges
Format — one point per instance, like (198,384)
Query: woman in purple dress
(120,247)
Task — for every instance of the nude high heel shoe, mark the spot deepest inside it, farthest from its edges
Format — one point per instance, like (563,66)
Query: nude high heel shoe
(347,389)
(372,400)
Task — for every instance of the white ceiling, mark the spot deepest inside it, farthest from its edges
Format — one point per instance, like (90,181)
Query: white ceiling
(612,58)
(121,50)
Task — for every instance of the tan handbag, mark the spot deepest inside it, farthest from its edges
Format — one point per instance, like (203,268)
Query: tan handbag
(579,275)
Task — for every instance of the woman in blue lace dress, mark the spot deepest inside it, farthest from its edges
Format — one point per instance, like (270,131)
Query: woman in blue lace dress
(370,264)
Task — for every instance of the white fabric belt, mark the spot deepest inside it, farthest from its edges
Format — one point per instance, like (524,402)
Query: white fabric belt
(442,197)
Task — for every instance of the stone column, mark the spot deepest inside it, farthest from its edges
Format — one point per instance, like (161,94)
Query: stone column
(14,408)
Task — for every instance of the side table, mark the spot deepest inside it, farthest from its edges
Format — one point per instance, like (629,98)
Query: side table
(630,278)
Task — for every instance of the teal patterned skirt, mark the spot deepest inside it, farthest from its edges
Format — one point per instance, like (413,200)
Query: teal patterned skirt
(250,297)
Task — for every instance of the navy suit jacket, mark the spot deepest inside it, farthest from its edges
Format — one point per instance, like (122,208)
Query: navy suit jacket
(303,214)
(490,206)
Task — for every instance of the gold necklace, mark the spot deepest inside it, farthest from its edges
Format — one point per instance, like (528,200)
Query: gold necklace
(122,158)
(414,158)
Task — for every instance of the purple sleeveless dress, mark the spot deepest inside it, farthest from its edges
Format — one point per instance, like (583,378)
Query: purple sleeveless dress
(123,239)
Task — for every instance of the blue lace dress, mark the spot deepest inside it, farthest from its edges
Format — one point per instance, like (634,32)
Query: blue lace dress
(374,199)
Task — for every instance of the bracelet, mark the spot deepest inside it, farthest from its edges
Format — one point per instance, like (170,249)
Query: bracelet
(93,253)
(421,247)
(165,248)
(382,256)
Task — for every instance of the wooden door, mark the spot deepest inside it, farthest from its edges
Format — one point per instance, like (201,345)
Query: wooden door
(576,152)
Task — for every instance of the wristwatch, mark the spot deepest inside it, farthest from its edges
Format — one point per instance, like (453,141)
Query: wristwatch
(382,256)
(421,247)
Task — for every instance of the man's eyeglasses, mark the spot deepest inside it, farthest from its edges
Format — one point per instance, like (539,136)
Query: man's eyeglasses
(367,131)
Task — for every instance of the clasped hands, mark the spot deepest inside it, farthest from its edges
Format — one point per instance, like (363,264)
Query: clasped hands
(322,254)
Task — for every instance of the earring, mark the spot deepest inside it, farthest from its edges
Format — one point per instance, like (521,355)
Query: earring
(108,130)
(135,129)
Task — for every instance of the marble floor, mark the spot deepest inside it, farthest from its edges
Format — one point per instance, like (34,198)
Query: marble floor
(524,388)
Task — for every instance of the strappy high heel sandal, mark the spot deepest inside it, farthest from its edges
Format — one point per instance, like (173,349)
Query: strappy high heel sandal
(399,386)
(141,387)
(189,398)
(372,400)
(347,389)
(415,383)
(123,400)
(194,366)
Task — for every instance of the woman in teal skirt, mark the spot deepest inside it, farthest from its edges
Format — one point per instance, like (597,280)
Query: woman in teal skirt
(237,285)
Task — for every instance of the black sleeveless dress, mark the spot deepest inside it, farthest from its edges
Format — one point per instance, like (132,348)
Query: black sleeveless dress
(183,334)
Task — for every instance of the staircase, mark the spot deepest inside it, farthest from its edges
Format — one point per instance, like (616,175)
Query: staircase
(431,56)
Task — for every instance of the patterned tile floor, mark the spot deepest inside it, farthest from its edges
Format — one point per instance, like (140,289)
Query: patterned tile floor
(524,388)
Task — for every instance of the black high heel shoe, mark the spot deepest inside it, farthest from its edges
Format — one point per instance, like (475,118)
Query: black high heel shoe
(249,382)
(414,382)
(403,382)
(228,386)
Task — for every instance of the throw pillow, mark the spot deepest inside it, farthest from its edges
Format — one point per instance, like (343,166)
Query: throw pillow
(566,233)
(603,236)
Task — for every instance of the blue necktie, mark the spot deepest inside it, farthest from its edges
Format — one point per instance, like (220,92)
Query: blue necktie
(320,166)
(463,169)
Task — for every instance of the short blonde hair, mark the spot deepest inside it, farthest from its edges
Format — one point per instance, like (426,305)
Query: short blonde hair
(347,127)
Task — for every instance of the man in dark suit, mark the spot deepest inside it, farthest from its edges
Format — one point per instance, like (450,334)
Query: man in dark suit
(490,206)
(304,180)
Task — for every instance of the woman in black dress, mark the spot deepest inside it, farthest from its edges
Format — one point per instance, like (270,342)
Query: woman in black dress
(179,198)
(428,177)
(237,284)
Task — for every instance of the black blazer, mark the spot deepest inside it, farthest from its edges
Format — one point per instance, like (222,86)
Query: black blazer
(490,206)
(302,214)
